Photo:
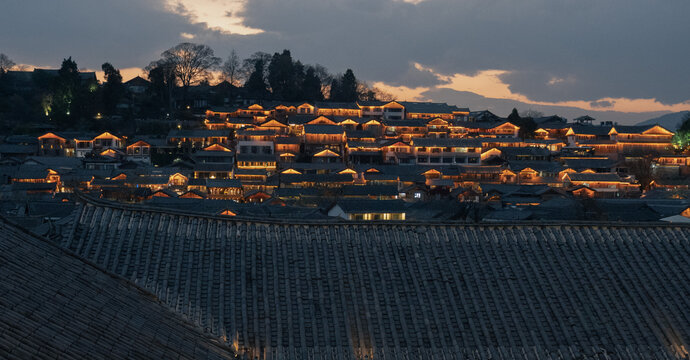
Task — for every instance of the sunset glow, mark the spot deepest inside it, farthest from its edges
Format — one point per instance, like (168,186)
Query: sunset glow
(222,15)
(488,83)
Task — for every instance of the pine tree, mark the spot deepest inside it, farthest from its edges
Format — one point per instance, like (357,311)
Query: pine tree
(113,90)
(256,85)
(348,87)
(311,86)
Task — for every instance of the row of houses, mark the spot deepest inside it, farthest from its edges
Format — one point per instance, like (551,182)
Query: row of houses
(311,154)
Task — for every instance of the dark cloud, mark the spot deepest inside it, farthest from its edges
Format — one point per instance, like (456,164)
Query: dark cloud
(601,104)
(127,33)
(555,50)
(615,48)
(503,107)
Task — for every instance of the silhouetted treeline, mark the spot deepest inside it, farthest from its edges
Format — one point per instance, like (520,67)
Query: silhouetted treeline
(70,99)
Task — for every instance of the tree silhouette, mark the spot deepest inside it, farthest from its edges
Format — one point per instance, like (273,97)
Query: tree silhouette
(311,86)
(231,69)
(113,90)
(5,64)
(256,85)
(192,63)
(281,75)
(348,87)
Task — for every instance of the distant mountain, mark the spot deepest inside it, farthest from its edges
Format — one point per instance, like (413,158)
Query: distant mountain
(669,121)
(502,107)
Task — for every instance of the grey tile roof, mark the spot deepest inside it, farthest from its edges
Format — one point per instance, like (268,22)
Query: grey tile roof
(428,107)
(591,129)
(318,290)
(55,305)
(370,190)
(324,129)
(594,177)
(223,183)
(446,142)
(197,133)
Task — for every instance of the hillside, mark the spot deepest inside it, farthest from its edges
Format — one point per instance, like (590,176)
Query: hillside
(669,121)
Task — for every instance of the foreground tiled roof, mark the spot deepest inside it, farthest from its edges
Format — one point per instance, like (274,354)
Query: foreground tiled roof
(406,290)
(54,305)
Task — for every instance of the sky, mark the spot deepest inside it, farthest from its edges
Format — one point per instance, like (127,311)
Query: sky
(619,60)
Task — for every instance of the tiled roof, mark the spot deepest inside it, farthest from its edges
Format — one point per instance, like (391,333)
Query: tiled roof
(291,290)
(446,142)
(55,305)
(594,177)
(324,129)
(591,129)
(428,107)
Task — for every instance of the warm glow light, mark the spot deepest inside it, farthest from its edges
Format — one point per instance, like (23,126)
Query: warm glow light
(488,83)
(220,15)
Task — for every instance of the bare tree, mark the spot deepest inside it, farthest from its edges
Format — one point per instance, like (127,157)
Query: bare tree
(382,95)
(193,62)
(5,63)
(249,64)
(231,69)
(532,114)
(325,77)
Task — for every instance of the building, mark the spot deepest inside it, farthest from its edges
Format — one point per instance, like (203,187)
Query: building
(426,284)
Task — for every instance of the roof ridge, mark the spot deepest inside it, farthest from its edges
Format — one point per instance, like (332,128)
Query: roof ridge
(16,228)
(555,223)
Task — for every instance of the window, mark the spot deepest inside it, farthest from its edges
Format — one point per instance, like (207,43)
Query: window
(417,195)
(473,160)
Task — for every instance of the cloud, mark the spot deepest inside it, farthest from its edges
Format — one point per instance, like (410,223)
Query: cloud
(503,107)
(221,15)
(126,33)
(579,53)
(490,84)
(551,50)
(601,104)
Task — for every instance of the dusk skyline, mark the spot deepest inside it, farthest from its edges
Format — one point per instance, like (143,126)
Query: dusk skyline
(569,58)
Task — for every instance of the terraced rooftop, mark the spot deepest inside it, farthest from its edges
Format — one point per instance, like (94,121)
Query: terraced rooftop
(405,291)
(55,305)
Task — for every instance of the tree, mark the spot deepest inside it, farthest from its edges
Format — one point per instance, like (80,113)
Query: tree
(231,69)
(256,85)
(366,93)
(381,95)
(281,75)
(113,90)
(161,73)
(532,114)
(681,139)
(348,87)
(66,87)
(5,64)
(192,63)
(324,77)
(526,124)
(249,64)
(334,93)
(641,167)
(311,86)
(514,117)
